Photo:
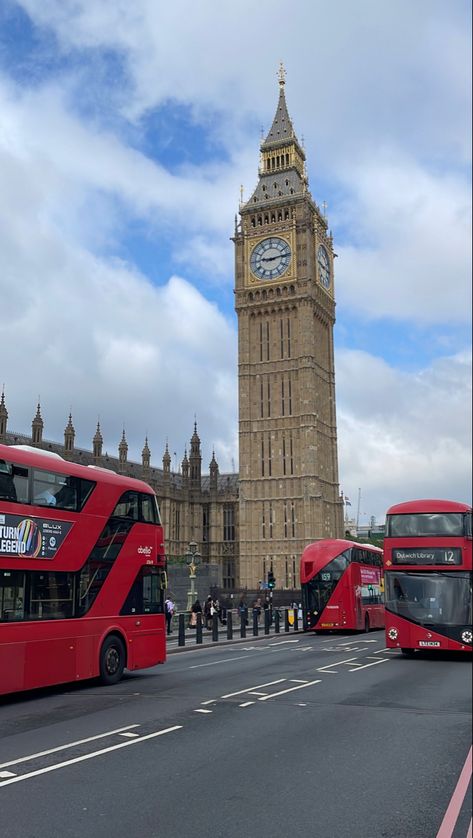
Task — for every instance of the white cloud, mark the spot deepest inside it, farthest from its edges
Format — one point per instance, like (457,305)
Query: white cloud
(412,255)
(403,435)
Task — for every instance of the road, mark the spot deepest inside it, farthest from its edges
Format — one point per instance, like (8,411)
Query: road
(289,735)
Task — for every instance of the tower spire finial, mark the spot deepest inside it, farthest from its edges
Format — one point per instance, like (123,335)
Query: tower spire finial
(281,75)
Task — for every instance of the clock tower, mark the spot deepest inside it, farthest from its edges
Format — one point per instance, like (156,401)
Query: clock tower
(284,290)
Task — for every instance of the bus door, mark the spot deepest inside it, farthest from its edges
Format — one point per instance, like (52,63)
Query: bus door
(144,610)
(51,656)
(356,587)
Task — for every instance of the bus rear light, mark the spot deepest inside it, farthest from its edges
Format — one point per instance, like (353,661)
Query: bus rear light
(467,636)
(393,633)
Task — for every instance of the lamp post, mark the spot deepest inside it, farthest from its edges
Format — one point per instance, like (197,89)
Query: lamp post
(193,558)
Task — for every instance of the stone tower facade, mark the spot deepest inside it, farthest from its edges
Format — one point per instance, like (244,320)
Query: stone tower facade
(284,286)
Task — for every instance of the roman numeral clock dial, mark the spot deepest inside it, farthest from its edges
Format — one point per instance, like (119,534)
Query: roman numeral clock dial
(270,258)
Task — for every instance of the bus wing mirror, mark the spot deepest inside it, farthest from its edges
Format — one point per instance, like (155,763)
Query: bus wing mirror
(164,580)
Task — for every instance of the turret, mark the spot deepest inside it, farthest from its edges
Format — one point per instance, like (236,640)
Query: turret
(37,426)
(69,436)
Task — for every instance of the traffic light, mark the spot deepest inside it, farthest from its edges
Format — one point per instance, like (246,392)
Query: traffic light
(271,580)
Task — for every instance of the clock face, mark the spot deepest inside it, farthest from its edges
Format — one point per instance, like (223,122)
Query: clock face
(324,267)
(270,258)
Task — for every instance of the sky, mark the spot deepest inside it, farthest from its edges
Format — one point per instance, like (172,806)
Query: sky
(126,133)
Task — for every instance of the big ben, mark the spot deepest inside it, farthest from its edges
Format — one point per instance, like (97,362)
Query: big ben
(284,291)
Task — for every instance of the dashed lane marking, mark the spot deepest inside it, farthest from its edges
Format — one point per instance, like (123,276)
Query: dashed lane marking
(247,703)
(256,687)
(290,690)
(365,665)
(330,666)
(216,663)
(201,710)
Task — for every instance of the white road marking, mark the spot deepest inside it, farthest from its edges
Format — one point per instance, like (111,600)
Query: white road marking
(335,663)
(215,663)
(201,710)
(68,745)
(129,734)
(284,642)
(255,693)
(210,701)
(88,756)
(380,660)
(5,774)
(247,703)
(290,690)
(256,687)
(298,680)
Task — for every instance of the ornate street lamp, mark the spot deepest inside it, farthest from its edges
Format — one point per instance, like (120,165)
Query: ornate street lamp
(193,558)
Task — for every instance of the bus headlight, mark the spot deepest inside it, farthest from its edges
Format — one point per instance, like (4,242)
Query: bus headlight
(392,634)
(467,636)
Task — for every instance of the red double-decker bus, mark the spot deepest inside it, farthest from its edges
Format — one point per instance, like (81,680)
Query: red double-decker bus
(342,586)
(427,556)
(82,572)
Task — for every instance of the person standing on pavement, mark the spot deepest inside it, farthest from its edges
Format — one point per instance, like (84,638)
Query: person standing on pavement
(243,610)
(217,609)
(267,607)
(169,612)
(208,607)
(196,609)
(257,608)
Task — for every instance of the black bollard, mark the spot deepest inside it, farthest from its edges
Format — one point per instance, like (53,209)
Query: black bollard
(276,621)
(181,641)
(267,620)
(215,627)
(229,625)
(255,624)
(242,625)
(296,619)
(198,629)
(286,619)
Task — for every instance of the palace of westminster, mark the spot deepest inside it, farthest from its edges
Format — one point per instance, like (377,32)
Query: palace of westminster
(286,493)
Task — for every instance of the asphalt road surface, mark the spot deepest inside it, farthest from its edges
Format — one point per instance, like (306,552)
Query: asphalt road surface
(289,735)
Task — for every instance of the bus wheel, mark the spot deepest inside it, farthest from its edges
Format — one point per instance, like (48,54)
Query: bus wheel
(112,660)
(367,623)
(408,653)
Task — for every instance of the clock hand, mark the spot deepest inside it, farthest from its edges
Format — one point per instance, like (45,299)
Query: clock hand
(269,258)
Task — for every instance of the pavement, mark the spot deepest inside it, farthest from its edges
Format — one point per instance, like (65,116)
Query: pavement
(190,636)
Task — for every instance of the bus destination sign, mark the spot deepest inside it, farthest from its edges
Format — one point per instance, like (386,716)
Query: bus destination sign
(31,538)
(427,555)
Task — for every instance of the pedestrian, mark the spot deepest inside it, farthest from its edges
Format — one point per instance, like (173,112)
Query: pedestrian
(267,608)
(208,608)
(196,609)
(243,610)
(169,612)
(216,609)
(257,608)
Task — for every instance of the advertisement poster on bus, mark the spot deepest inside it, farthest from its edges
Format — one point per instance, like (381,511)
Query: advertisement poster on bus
(31,538)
